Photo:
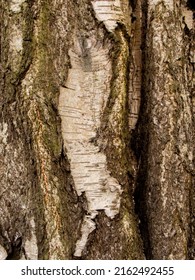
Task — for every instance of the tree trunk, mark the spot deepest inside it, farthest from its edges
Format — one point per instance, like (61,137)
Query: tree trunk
(167,127)
(97,129)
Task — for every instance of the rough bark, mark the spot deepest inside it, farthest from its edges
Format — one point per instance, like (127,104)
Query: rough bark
(166,124)
(85,172)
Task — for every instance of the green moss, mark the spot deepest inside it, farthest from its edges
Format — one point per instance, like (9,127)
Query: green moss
(46,92)
(52,139)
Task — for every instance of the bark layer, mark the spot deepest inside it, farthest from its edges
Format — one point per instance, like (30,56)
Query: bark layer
(75,165)
(167,168)
(50,49)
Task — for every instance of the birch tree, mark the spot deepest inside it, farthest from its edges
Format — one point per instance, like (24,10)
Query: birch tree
(97,129)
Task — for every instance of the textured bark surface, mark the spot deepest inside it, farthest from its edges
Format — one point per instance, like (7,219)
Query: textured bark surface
(97,129)
(166,125)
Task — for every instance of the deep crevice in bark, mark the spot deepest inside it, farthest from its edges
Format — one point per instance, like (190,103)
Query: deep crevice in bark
(139,142)
(191,4)
(16,250)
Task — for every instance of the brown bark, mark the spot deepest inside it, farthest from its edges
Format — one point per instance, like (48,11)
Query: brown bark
(79,176)
(166,124)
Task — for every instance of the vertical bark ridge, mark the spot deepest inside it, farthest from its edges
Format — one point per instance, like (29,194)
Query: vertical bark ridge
(136,66)
(59,204)
(16,170)
(189,38)
(168,153)
(40,185)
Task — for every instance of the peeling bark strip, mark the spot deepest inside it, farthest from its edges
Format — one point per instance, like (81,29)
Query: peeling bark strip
(82,106)
(36,52)
(112,12)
